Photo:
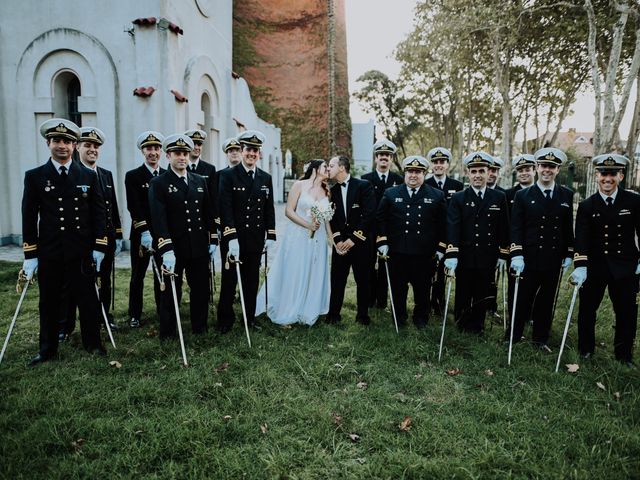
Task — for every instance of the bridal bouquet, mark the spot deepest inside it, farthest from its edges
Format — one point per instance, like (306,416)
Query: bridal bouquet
(321,213)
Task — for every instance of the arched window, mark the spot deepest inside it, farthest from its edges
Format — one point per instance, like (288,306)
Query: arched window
(66,90)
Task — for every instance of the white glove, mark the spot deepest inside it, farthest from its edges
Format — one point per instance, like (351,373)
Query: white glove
(566,263)
(212,251)
(269,244)
(501,265)
(30,267)
(638,269)
(169,261)
(578,276)
(517,265)
(145,240)
(439,256)
(450,265)
(118,247)
(97,259)
(384,250)
(234,248)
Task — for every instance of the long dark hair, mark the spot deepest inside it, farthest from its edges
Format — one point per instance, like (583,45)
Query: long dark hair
(314,165)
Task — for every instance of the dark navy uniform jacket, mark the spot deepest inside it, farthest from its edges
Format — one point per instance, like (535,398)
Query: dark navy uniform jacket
(449,187)
(413,225)
(246,207)
(541,229)
(114,226)
(181,218)
(478,230)
(606,236)
(62,218)
(208,172)
(136,184)
(379,187)
(361,209)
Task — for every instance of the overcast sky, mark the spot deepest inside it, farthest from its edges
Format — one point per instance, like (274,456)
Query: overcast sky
(375,27)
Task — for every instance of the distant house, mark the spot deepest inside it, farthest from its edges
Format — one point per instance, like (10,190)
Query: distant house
(580,142)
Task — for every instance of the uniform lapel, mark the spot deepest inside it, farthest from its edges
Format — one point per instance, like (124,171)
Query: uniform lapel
(336,196)
(351,195)
(177,181)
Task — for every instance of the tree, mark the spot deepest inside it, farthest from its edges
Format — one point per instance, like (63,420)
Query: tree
(383,97)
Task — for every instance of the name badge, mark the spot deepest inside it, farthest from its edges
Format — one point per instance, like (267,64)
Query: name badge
(399,200)
(200,189)
(427,200)
(624,211)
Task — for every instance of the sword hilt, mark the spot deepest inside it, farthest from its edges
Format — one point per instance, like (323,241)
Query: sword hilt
(22,280)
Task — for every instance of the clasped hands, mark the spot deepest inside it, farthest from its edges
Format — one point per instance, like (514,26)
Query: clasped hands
(342,248)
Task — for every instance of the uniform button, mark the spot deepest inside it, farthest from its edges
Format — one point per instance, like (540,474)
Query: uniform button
(61,228)
(477,234)
(247,208)
(606,226)
(77,218)
(543,217)
(605,252)
(619,251)
(408,214)
(188,229)
(488,234)
(61,209)
(247,216)
(606,234)
(59,199)
(476,224)
(62,219)
(199,228)
(185,202)
(187,211)
(540,247)
(619,226)
(418,223)
(541,236)
(418,231)
(258,217)
(107,202)
(197,209)
(258,199)
(541,226)
(197,201)
(407,206)
(188,220)
(247,225)
(476,244)
(76,199)
(407,223)
(78,227)
(76,209)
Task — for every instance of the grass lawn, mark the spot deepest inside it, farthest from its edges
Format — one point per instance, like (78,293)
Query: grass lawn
(321,402)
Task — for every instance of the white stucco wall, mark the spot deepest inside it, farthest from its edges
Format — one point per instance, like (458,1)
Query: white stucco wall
(111,56)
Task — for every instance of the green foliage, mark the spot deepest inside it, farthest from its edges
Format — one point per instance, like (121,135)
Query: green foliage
(294,398)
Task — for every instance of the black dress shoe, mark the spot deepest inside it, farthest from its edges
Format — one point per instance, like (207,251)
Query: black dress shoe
(363,319)
(37,360)
(333,319)
(134,323)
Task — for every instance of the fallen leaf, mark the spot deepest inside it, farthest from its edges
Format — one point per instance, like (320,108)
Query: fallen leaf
(454,371)
(77,445)
(263,428)
(221,368)
(163,367)
(115,363)
(405,425)
(226,418)
(362,385)
(354,437)
(337,419)
(572,367)
(152,333)
(617,395)
(488,373)
(601,386)
(218,384)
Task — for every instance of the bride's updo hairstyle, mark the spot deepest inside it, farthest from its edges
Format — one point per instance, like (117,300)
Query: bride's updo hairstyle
(313,166)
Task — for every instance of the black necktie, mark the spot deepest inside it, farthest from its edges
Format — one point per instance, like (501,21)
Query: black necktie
(480,194)
(609,201)
(63,172)
(413,192)
(155,173)
(440,184)
(547,194)
(383,177)
(193,167)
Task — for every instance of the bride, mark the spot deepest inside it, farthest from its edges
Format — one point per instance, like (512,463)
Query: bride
(299,278)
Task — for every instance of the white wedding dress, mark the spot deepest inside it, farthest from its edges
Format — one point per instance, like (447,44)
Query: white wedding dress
(299,285)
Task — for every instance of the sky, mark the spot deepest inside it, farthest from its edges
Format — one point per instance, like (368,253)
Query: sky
(375,27)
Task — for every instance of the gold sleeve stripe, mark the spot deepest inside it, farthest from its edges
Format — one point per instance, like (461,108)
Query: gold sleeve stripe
(504,250)
(577,256)
(139,224)
(452,249)
(118,230)
(381,239)
(163,241)
(442,244)
(358,234)
(336,234)
(228,231)
(29,248)
(272,231)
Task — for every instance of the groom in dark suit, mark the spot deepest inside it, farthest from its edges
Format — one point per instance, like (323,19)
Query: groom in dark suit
(351,225)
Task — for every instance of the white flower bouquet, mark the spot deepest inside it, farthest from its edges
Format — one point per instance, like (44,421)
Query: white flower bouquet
(321,213)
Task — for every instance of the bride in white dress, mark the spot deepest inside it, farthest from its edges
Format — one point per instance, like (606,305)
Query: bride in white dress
(299,278)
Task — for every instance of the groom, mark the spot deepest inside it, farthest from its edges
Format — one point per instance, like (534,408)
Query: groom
(351,225)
